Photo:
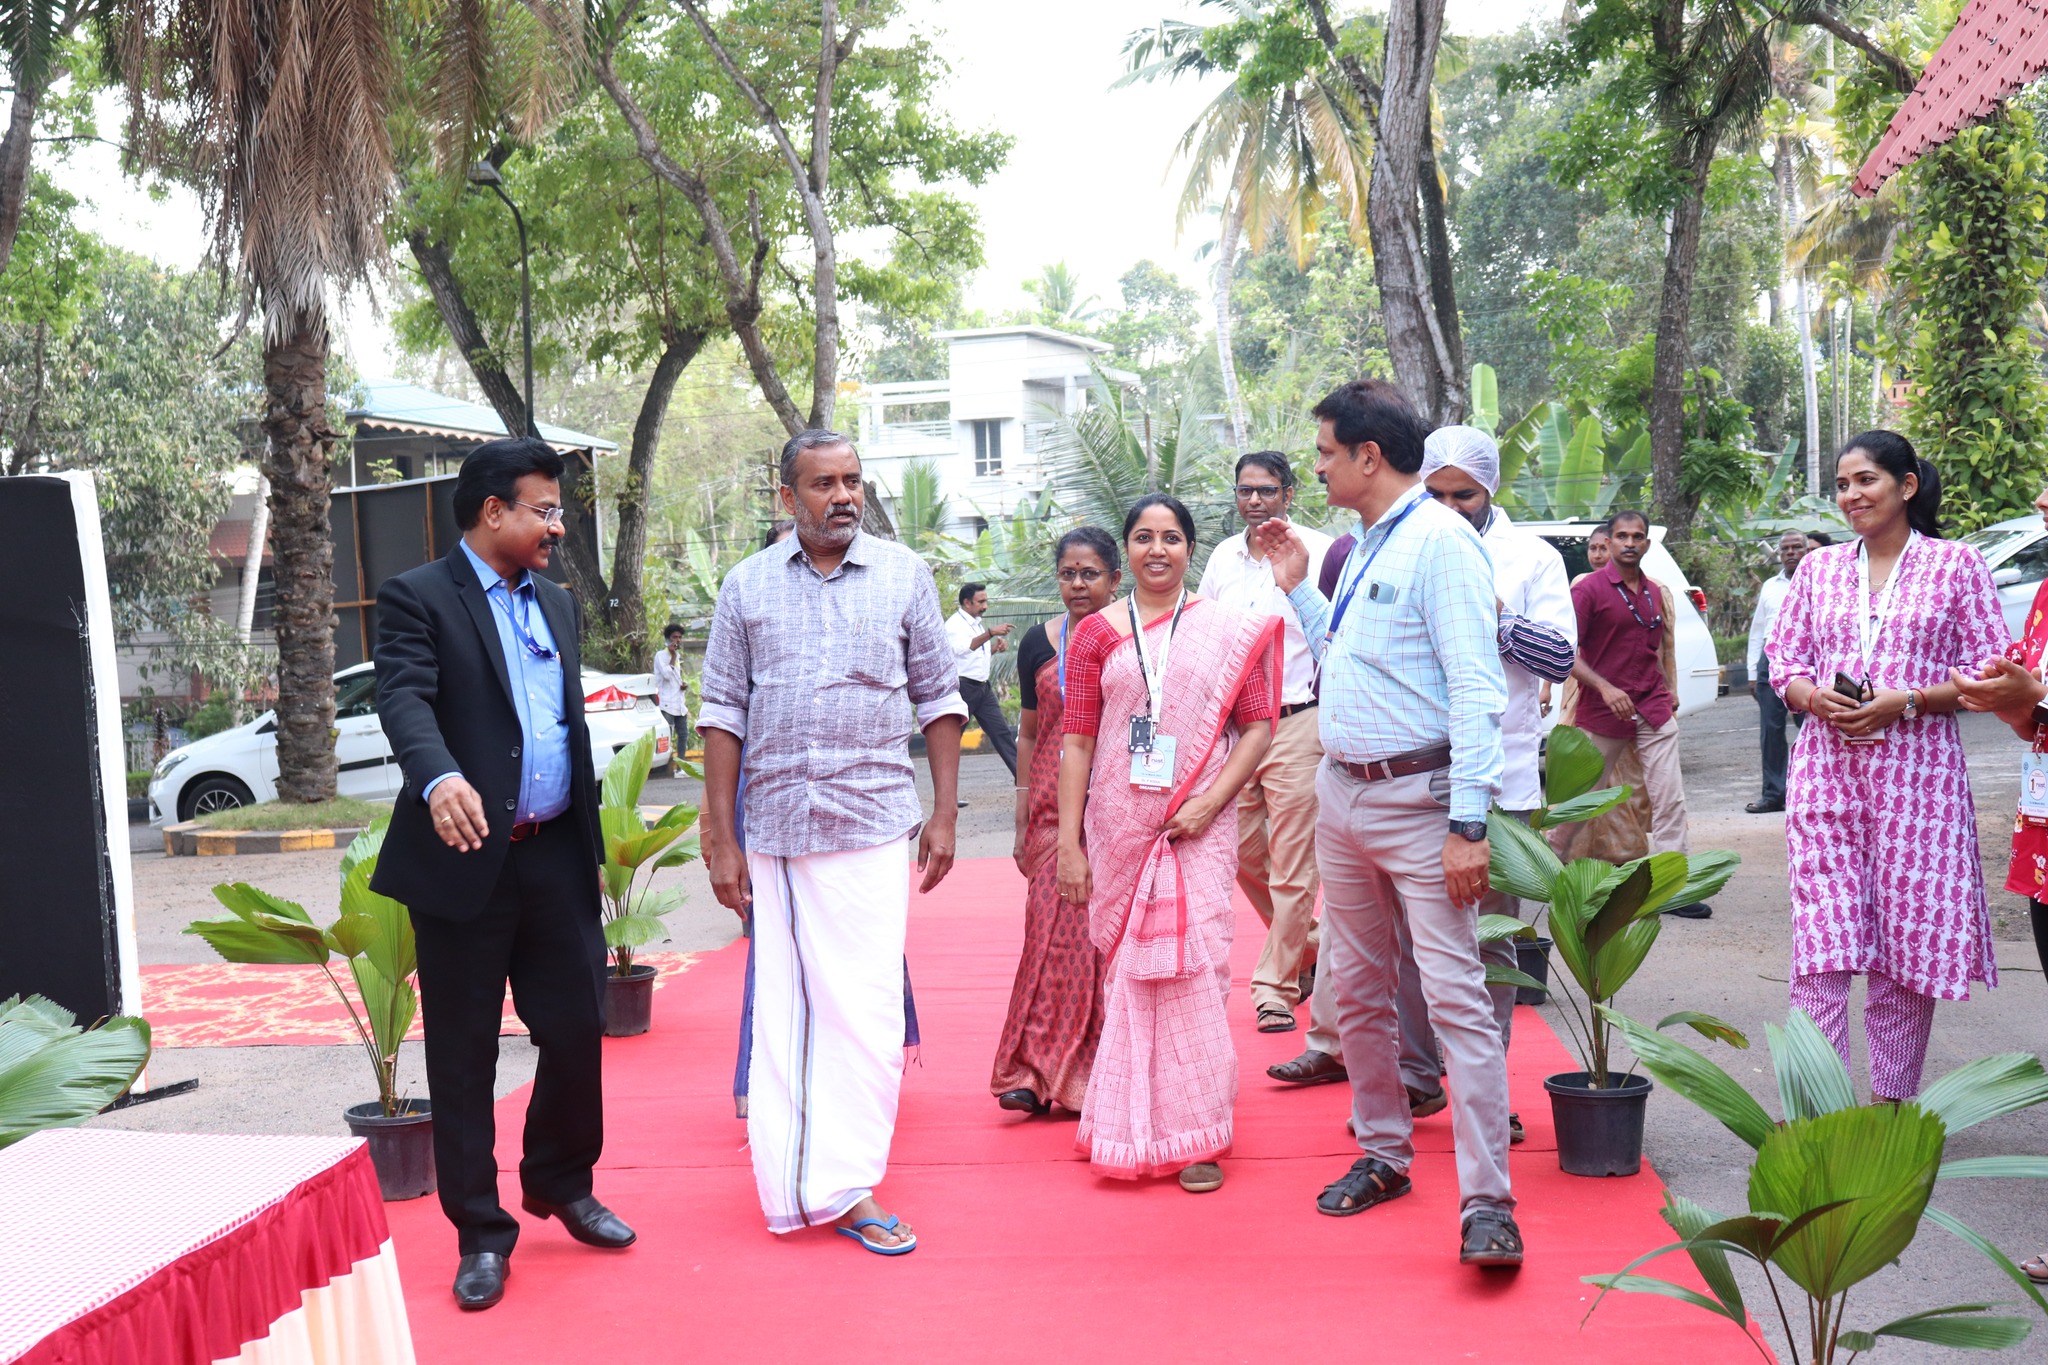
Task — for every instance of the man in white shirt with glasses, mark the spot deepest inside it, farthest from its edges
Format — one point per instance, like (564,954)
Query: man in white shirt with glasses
(1276,810)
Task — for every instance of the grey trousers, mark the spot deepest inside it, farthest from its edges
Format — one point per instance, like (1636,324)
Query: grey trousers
(1379,846)
(1418,1039)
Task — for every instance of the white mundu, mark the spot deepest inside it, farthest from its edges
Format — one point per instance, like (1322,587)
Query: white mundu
(828,1027)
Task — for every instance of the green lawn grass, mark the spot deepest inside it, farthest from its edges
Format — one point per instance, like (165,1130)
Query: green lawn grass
(342,811)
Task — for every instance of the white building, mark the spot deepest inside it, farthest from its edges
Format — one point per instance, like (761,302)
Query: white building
(986,425)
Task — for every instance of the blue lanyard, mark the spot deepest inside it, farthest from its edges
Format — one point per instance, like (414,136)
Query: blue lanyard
(1345,595)
(1062,652)
(522,629)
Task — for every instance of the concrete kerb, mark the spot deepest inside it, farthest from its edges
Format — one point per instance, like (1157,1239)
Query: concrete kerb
(194,840)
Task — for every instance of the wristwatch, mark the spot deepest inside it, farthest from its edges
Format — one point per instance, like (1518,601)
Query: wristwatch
(1912,703)
(2040,715)
(1473,830)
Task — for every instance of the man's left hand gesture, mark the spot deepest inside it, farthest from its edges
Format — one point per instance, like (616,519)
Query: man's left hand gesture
(935,849)
(1465,868)
(1285,550)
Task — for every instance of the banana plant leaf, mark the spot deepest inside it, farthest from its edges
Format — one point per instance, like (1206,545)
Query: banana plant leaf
(1585,460)
(1677,1067)
(1485,408)
(54,1079)
(1811,1078)
(1878,1160)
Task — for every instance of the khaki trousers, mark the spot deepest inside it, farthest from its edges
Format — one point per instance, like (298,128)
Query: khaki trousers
(1657,750)
(1276,855)
(1380,847)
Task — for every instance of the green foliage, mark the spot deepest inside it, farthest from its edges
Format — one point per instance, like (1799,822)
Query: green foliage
(1298,332)
(634,850)
(373,934)
(1837,1191)
(54,1074)
(1116,449)
(1603,919)
(1974,263)
(1155,331)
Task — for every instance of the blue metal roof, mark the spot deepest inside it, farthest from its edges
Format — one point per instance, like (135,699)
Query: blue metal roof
(394,403)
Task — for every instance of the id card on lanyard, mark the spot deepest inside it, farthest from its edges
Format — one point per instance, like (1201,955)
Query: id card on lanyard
(1151,752)
(1871,619)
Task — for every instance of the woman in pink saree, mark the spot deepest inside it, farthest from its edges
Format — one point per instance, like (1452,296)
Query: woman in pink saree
(1184,709)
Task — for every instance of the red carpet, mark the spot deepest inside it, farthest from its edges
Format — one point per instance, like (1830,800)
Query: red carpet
(1024,1256)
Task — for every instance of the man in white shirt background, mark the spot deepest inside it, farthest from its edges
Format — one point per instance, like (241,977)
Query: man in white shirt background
(974,645)
(1770,708)
(671,694)
(1276,810)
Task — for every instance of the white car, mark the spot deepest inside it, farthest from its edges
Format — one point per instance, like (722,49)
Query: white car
(2017,551)
(238,767)
(1699,672)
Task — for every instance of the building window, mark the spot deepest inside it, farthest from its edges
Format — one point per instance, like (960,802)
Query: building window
(988,447)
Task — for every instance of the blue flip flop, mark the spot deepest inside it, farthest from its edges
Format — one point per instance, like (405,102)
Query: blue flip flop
(900,1249)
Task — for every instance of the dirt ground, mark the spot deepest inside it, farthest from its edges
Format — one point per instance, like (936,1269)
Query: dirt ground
(1733,965)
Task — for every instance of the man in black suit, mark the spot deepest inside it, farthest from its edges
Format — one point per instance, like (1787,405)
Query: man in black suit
(494,847)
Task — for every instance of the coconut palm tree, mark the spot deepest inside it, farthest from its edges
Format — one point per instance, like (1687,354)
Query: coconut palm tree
(1275,161)
(281,105)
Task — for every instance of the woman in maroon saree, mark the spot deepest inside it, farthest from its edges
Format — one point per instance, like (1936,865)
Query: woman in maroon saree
(1183,712)
(1055,1018)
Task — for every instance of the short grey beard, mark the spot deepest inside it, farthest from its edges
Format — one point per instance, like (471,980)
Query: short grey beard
(821,532)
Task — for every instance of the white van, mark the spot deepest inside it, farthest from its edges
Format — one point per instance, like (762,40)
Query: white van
(1699,672)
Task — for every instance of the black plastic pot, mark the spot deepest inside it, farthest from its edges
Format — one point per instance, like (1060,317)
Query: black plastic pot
(1532,958)
(1599,1132)
(628,1002)
(401,1147)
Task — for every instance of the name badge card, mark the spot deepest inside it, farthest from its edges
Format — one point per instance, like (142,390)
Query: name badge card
(2034,786)
(1152,770)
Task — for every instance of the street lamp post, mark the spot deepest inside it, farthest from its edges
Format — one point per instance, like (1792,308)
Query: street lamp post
(485,174)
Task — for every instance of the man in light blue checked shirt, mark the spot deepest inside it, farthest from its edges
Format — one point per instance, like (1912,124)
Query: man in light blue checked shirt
(1412,696)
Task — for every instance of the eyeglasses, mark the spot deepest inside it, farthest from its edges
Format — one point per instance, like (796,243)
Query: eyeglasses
(551,516)
(1260,490)
(1088,576)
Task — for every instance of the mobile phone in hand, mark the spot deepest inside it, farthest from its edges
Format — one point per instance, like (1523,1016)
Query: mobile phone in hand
(1847,686)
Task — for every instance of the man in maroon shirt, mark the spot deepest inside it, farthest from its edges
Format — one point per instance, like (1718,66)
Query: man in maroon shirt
(1624,698)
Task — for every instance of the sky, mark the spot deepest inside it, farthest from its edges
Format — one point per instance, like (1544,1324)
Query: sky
(1089,180)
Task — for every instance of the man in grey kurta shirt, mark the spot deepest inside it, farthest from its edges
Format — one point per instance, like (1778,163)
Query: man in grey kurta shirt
(820,648)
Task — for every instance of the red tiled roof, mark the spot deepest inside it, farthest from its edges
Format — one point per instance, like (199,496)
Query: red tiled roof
(1996,47)
(230,541)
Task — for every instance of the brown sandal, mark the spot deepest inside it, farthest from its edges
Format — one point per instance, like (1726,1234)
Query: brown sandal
(1490,1237)
(1275,1019)
(1310,1068)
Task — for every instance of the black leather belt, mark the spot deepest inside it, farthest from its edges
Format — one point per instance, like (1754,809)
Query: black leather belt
(525,831)
(1296,709)
(1428,761)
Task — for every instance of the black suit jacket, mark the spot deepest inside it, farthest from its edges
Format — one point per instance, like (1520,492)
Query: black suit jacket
(445,699)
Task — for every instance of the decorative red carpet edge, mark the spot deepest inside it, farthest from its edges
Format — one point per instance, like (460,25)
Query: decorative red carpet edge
(1024,1256)
(235,1004)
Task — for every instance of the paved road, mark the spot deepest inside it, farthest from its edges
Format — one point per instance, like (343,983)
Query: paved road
(1733,965)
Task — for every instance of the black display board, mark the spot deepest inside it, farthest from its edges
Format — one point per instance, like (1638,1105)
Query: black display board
(66,924)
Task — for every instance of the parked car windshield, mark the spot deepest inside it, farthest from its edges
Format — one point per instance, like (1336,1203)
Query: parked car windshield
(1993,541)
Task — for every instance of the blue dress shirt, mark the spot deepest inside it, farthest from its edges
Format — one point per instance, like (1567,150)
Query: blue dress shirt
(1415,662)
(536,695)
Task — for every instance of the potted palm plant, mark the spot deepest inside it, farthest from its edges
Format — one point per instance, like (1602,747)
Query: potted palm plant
(373,934)
(1837,1190)
(633,910)
(54,1074)
(1603,920)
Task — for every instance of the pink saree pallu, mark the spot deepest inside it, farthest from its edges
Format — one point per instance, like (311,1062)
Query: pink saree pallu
(1165,1077)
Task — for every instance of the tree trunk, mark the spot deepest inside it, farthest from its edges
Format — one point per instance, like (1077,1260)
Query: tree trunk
(1443,286)
(437,272)
(626,610)
(14,158)
(1226,358)
(296,460)
(1416,341)
(1674,352)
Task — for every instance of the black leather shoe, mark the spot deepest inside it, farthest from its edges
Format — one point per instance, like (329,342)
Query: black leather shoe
(588,1221)
(480,1280)
(1695,910)
(1761,807)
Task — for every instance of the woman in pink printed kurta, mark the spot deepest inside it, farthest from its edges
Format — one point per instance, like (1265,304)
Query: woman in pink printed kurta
(1882,838)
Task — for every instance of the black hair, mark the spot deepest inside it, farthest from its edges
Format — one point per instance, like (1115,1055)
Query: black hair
(967,591)
(1894,454)
(1272,461)
(671,630)
(494,469)
(1820,537)
(1171,504)
(1628,514)
(1091,538)
(817,438)
(1605,528)
(777,532)
(1374,410)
